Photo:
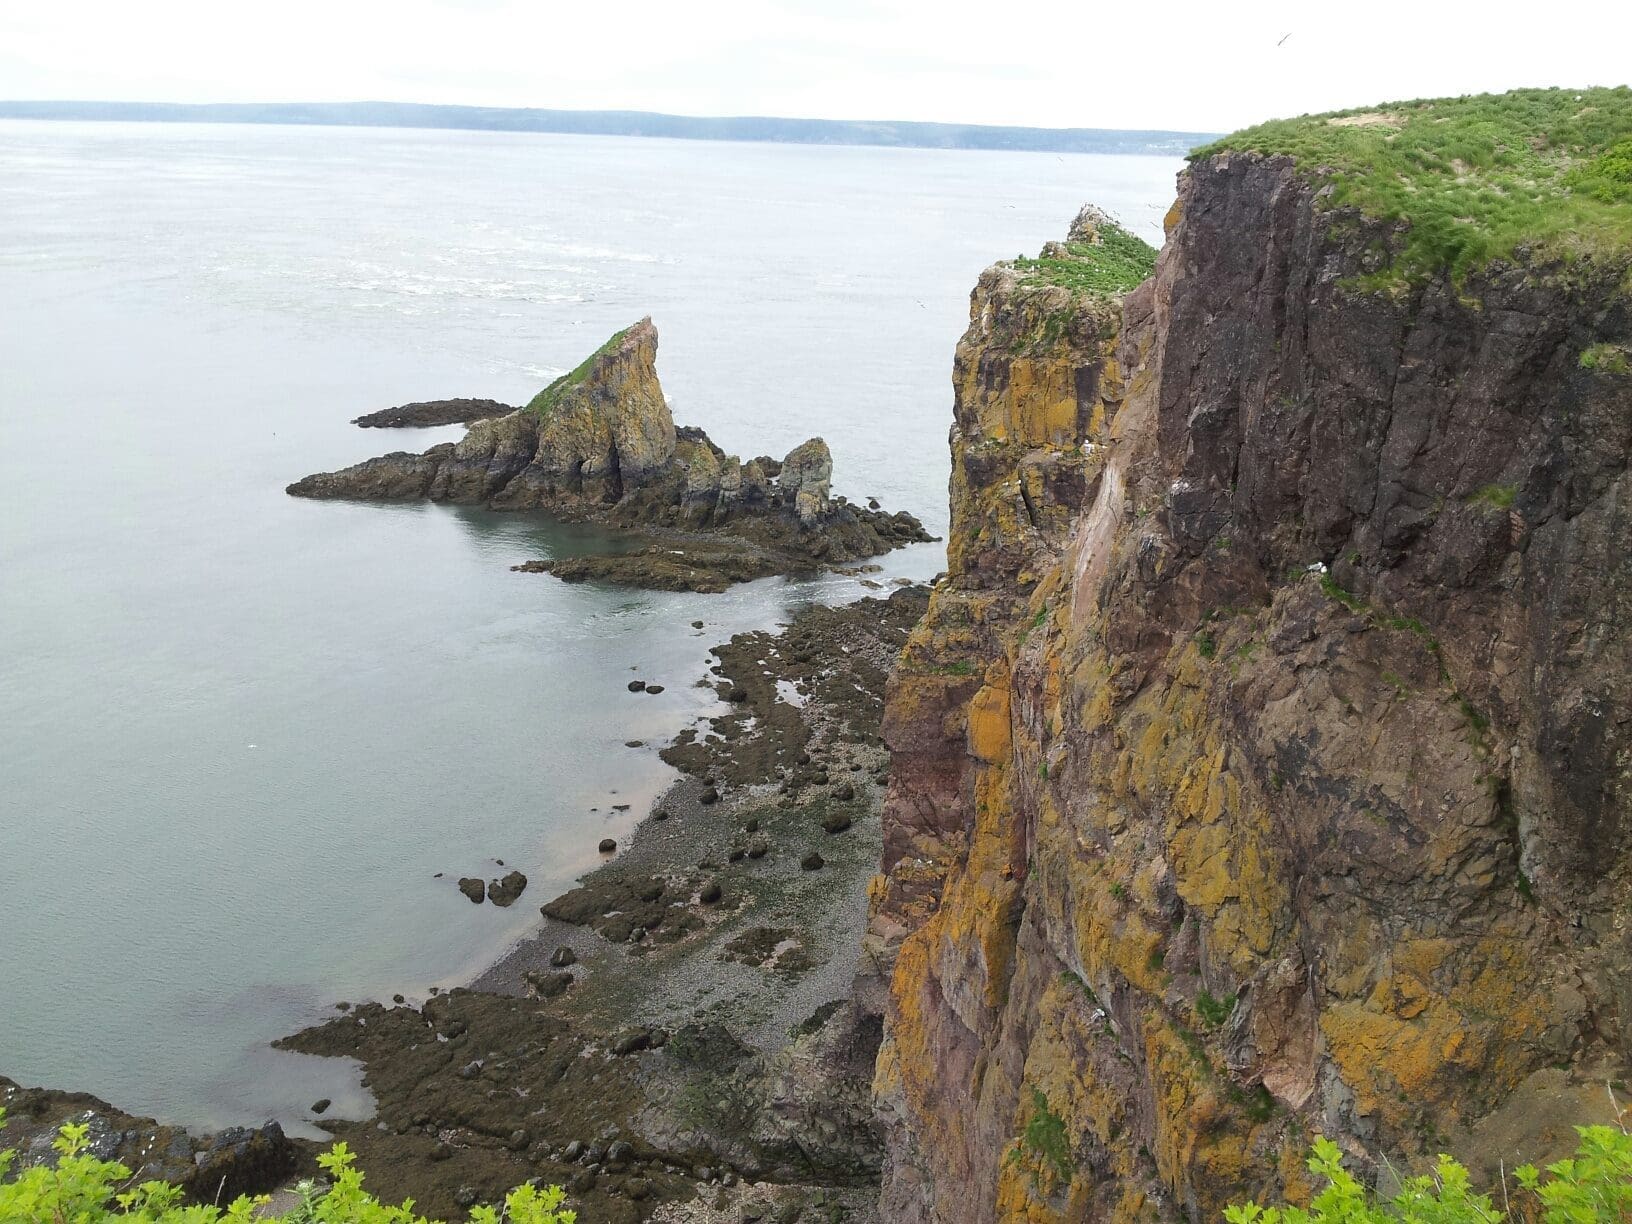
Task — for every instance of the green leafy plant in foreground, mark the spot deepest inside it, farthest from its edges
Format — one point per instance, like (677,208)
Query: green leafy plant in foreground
(1594,1185)
(81,1189)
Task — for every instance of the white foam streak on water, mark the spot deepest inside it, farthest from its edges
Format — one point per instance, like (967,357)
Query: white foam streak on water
(189,317)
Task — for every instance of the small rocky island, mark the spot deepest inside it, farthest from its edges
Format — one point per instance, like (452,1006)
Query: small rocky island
(598,444)
(427,413)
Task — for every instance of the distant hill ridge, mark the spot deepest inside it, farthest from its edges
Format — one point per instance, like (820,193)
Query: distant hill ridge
(903,134)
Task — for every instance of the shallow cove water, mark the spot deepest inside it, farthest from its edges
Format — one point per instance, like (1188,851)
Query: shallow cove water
(241,732)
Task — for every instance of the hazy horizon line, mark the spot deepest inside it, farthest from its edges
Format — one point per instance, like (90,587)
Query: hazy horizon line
(897,133)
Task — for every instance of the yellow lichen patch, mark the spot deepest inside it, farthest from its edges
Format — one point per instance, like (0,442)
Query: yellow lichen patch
(1350,956)
(1062,1105)
(887,1068)
(1039,407)
(1439,1011)
(1175,214)
(1201,1141)
(1115,938)
(1396,1065)
(1297,1184)
(977,912)
(1133,1206)
(990,735)
(1054,681)
(1219,846)
(1500,983)
(1049,817)
(877,886)
(1113,389)
(1245,932)
(1018,1191)
(908,1068)
(1093,701)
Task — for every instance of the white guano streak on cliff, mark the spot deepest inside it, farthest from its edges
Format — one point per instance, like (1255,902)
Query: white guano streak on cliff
(1093,538)
(1097,530)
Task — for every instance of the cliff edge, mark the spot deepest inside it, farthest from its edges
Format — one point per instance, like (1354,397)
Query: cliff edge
(1260,769)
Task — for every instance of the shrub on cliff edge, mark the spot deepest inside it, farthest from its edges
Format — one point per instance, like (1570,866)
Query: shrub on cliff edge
(81,1189)
(1596,1184)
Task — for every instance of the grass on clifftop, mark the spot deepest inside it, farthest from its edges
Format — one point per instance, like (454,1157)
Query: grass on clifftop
(1113,265)
(545,401)
(1476,178)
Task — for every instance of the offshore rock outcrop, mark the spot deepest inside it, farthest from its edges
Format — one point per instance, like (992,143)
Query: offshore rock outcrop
(599,444)
(424,413)
(1260,769)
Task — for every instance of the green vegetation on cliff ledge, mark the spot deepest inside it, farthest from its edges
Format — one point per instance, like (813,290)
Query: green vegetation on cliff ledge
(545,401)
(1475,178)
(1114,264)
(1045,1140)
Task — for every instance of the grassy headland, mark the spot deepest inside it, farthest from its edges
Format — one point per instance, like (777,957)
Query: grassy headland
(1112,265)
(1477,178)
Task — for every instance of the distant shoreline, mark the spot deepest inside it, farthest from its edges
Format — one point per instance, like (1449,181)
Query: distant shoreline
(770,130)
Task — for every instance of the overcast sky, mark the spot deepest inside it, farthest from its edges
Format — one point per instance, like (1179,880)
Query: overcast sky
(1049,63)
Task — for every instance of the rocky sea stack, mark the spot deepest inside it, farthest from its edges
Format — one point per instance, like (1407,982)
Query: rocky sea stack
(1260,770)
(598,443)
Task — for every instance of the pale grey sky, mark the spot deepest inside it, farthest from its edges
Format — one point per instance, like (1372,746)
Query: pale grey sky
(1188,64)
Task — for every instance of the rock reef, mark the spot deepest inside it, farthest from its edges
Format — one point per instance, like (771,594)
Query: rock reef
(1260,768)
(599,444)
(426,413)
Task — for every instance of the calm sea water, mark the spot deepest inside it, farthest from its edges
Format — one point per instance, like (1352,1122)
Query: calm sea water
(240,733)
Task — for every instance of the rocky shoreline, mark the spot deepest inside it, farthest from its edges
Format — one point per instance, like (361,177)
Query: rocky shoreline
(676,1041)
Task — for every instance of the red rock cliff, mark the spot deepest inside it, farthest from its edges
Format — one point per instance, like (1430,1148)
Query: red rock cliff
(1261,767)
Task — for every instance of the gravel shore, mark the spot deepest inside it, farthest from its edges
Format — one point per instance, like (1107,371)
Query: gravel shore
(675,1041)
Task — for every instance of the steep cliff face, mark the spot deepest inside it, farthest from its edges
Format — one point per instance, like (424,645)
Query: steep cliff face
(1261,767)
